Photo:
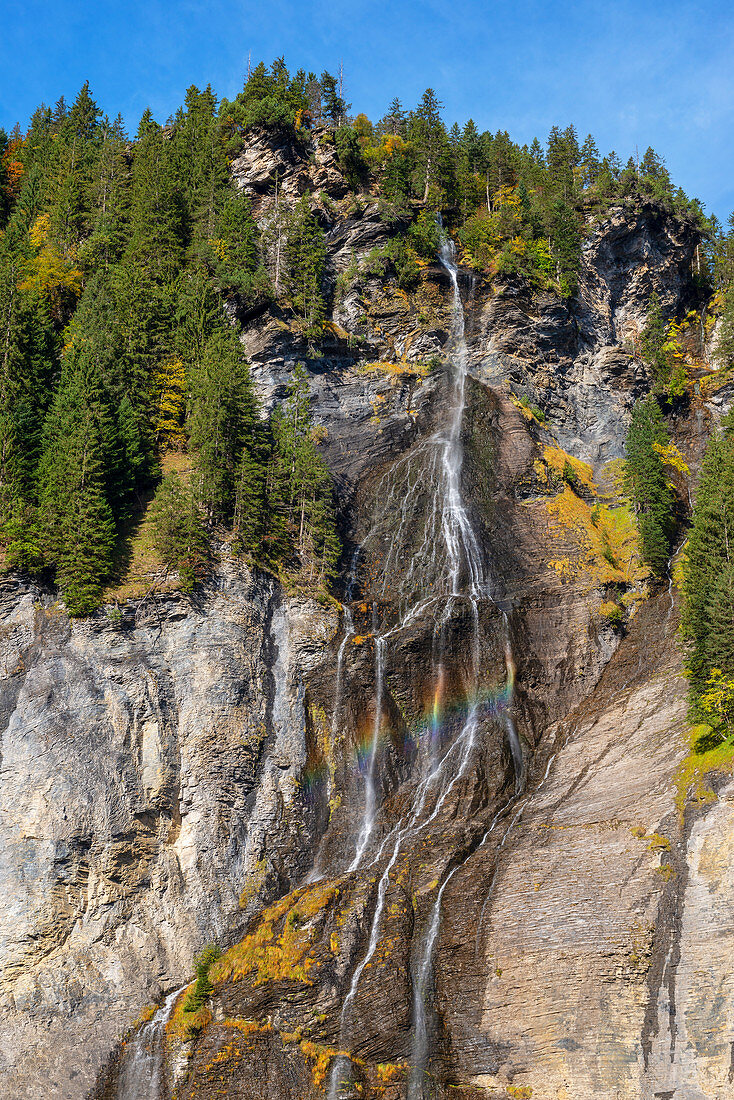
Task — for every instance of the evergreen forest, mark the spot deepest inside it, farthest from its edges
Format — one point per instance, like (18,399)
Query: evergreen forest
(126,260)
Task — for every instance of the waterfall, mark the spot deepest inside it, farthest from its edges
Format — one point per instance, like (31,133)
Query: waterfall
(142,1068)
(445,566)
(370,799)
(457,530)
(338,1068)
(421,979)
(447,563)
(348,634)
(671,563)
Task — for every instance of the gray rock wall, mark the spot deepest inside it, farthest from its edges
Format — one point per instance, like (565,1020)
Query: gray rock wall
(151,771)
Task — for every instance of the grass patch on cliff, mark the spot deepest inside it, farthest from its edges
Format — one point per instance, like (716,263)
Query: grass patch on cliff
(254,882)
(318,1058)
(706,755)
(595,525)
(279,948)
(612,613)
(569,469)
(384,367)
(528,409)
(137,565)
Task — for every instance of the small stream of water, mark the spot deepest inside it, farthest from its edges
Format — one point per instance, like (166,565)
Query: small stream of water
(142,1069)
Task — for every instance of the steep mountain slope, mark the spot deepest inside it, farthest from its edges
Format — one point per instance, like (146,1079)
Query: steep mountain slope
(429,824)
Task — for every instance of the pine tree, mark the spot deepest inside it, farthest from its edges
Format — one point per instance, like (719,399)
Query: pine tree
(300,486)
(157,211)
(178,532)
(333,107)
(250,501)
(648,485)
(200,164)
(271,99)
(305,254)
(5,191)
(397,172)
(109,189)
(234,250)
(221,418)
(562,156)
(470,145)
(501,167)
(654,178)
(536,152)
(77,148)
(28,350)
(719,610)
(349,152)
(706,614)
(589,161)
(566,247)
(75,518)
(95,343)
(652,341)
(394,122)
(428,134)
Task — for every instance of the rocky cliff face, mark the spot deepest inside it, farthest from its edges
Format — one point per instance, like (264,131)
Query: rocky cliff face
(435,827)
(151,763)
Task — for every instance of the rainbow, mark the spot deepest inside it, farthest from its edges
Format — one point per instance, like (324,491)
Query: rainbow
(439,723)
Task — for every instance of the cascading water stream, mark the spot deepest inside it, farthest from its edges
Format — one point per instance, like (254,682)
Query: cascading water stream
(421,979)
(461,542)
(450,555)
(671,563)
(339,688)
(348,634)
(370,798)
(142,1070)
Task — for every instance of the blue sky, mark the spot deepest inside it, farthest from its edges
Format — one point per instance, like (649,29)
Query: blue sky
(631,73)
